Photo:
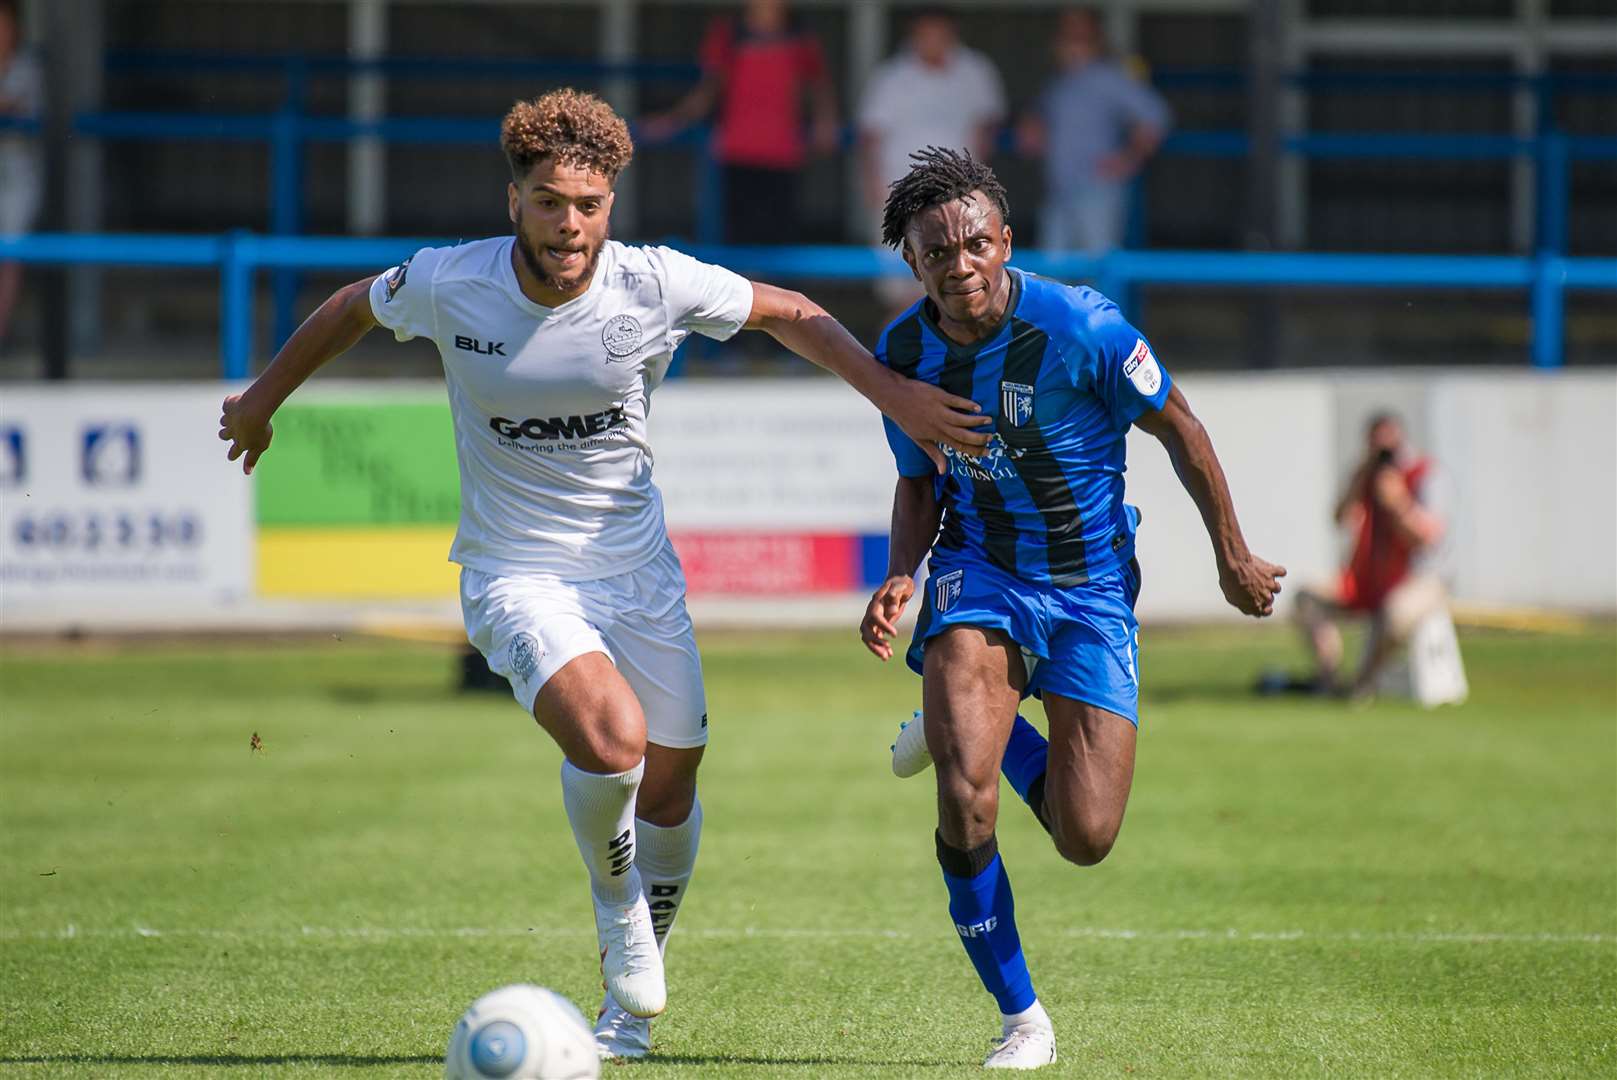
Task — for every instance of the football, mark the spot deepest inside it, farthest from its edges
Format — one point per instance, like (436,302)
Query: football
(522,1032)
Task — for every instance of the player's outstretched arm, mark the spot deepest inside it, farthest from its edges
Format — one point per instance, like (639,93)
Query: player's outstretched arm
(1250,584)
(916,513)
(927,414)
(343,319)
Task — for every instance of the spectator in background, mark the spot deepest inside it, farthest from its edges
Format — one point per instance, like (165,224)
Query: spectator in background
(1096,127)
(756,72)
(21,95)
(936,92)
(1390,576)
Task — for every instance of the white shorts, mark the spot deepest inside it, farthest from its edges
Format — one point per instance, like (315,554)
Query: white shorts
(529,627)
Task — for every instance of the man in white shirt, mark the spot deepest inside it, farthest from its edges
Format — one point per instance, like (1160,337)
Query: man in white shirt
(552,341)
(936,92)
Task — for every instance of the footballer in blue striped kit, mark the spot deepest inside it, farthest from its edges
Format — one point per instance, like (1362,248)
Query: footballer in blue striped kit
(1033,578)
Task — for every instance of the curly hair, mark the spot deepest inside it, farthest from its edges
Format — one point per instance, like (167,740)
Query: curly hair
(938,176)
(571,126)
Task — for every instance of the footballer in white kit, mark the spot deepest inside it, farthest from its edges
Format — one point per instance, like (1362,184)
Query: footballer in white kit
(552,341)
(561,531)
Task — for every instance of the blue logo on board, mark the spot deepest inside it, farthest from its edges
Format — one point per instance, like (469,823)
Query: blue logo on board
(110,455)
(13,456)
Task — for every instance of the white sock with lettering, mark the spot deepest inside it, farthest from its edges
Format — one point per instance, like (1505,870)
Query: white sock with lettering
(665,860)
(600,807)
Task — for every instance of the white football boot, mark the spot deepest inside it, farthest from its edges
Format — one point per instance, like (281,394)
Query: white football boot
(619,1034)
(910,755)
(1026,1046)
(631,966)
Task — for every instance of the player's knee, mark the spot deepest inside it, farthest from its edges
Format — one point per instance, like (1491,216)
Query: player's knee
(967,809)
(1082,844)
(667,801)
(612,741)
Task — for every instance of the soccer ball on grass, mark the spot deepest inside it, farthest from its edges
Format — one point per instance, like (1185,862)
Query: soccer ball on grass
(522,1032)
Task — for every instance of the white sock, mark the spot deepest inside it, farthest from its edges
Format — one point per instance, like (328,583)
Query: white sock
(665,860)
(1032,1016)
(601,810)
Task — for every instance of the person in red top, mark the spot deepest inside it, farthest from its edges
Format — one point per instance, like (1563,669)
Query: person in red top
(756,72)
(1388,577)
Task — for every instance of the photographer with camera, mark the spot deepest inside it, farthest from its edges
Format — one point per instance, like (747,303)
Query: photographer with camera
(1390,576)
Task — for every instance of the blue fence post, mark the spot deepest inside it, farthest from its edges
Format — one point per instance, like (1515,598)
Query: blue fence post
(1549,310)
(236,305)
(286,191)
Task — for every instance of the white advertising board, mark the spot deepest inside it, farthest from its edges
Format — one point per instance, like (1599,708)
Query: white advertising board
(117,504)
(771,454)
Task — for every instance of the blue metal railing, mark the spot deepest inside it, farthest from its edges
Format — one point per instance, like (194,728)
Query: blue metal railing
(291,128)
(238,256)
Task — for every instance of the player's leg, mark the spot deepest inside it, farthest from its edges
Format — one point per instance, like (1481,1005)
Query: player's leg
(1083,793)
(535,632)
(972,682)
(591,712)
(1079,785)
(655,646)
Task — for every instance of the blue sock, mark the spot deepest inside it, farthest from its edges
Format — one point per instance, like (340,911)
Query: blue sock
(1026,756)
(984,915)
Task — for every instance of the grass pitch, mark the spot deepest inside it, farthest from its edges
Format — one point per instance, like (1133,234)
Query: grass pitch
(1299,889)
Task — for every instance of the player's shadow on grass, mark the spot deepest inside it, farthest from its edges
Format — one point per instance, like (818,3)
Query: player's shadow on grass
(350,1061)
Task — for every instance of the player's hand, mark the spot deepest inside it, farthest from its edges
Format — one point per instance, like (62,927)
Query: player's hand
(880,624)
(1251,584)
(931,416)
(248,435)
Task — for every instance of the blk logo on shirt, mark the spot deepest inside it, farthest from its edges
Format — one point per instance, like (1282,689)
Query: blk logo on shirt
(482,348)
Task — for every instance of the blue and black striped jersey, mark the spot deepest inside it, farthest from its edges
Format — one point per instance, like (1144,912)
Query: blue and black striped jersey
(1064,377)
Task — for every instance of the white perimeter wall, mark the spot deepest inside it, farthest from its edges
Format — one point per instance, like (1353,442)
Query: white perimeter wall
(1531,459)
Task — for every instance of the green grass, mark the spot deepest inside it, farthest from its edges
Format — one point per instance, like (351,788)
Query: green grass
(1299,890)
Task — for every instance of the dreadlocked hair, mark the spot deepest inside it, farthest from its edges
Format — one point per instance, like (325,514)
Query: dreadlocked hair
(573,127)
(938,176)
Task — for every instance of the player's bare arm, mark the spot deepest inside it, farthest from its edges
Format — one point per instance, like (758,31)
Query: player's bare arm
(927,414)
(1250,584)
(335,326)
(916,513)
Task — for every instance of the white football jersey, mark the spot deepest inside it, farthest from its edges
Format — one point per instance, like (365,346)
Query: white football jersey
(550,404)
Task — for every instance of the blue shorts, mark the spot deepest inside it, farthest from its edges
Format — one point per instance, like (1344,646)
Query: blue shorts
(1081,643)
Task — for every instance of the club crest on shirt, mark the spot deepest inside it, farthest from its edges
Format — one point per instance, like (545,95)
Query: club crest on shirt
(1016,403)
(395,279)
(1142,370)
(621,336)
(946,590)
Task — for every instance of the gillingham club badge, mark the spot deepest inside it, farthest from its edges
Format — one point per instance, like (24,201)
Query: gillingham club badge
(1016,403)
